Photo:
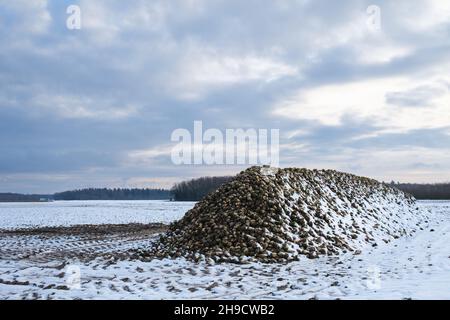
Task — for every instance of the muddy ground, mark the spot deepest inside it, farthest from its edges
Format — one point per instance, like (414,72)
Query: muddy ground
(82,242)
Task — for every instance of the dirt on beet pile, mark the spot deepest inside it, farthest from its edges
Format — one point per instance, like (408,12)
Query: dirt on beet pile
(275,215)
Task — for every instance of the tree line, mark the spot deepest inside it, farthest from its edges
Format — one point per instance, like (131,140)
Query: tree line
(17,197)
(437,191)
(113,194)
(91,194)
(196,189)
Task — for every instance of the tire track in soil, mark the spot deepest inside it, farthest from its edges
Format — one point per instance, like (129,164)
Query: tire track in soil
(83,242)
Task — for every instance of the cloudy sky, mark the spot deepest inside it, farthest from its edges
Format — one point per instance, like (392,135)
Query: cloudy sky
(97,106)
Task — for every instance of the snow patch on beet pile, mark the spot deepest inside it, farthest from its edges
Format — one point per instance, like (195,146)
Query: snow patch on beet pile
(272,215)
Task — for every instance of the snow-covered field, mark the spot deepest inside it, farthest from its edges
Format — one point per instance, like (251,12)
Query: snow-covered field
(66,213)
(48,266)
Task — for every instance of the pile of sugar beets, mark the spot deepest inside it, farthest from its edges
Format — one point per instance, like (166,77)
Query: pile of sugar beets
(276,215)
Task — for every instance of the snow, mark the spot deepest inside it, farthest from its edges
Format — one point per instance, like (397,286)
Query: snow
(416,266)
(67,213)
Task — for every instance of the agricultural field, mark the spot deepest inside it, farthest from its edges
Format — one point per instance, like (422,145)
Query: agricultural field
(82,250)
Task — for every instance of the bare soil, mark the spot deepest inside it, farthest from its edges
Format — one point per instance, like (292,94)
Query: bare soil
(82,242)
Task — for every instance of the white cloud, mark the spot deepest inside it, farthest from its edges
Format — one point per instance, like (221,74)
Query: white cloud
(147,156)
(33,17)
(78,107)
(378,53)
(329,36)
(105,24)
(366,101)
(423,15)
(204,69)
(364,44)
(407,164)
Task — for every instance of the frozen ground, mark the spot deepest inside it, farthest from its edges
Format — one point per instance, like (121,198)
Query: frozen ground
(67,213)
(45,264)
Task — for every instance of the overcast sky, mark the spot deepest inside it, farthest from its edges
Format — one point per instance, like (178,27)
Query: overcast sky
(97,106)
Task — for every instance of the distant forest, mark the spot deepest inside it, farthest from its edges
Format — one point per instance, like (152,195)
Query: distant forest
(91,194)
(16,197)
(113,194)
(196,189)
(438,191)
